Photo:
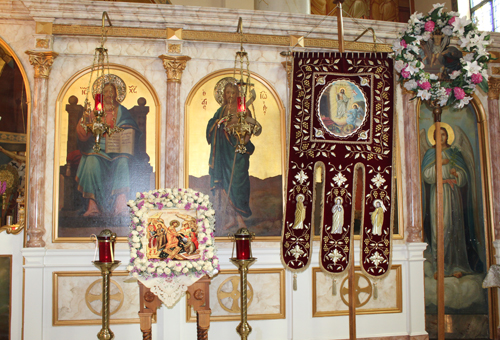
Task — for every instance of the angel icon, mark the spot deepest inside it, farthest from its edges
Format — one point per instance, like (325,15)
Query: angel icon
(459,195)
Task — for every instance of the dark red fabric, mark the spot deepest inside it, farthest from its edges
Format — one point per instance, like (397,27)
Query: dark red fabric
(322,133)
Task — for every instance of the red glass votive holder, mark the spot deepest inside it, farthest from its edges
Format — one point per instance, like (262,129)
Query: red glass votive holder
(106,240)
(242,106)
(243,249)
(98,101)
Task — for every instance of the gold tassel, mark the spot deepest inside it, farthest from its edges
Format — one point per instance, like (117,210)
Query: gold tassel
(375,291)
(294,281)
(334,287)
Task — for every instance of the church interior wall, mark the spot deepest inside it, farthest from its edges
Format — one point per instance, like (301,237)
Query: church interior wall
(36,291)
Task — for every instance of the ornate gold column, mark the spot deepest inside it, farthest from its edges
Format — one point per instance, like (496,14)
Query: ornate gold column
(41,61)
(494,132)
(413,217)
(174,66)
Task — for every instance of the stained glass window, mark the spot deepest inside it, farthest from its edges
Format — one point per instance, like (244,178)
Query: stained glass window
(486,14)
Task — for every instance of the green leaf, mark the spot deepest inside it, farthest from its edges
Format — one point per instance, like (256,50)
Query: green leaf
(409,39)
(484,85)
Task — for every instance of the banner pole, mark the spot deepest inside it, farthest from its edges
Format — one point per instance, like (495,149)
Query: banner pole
(439,221)
(352,303)
(340,25)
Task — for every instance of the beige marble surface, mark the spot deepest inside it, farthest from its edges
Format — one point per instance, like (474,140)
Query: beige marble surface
(71,305)
(387,294)
(266,289)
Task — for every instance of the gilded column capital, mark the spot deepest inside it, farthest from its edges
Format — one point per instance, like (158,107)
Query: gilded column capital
(493,88)
(288,67)
(174,65)
(42,61)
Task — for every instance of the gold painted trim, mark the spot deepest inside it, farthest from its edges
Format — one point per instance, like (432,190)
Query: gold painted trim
(191,317)
(361,311)
(213,36)
(282,110)
(11,257)
(27,88)
(60,96)
(55,300)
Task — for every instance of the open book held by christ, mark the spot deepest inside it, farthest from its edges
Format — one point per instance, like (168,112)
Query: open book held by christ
(121,142)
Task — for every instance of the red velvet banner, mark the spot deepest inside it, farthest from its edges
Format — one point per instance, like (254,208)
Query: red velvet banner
(341,136)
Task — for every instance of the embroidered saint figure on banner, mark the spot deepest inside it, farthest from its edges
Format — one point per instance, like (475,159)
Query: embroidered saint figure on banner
(341,117)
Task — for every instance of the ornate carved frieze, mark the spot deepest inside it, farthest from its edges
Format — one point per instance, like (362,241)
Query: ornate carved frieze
(42,43)
(227,37)
(174,65)
(174,48)
(493,88)
(42,61)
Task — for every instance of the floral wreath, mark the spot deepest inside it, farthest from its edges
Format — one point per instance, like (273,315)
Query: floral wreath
(187,199)
(472,69)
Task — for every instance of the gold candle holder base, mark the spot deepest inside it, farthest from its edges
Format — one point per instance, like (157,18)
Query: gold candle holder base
(106,268)
(243,328)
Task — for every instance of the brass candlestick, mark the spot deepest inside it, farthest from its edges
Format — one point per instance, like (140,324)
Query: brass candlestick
(243,328)
(106,268)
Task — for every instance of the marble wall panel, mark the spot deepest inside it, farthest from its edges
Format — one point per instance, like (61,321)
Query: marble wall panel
(389,299)
(77,298)
(266,295)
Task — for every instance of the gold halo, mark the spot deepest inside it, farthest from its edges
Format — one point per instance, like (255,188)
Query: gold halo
(375,202)
(340,198)
(121,88)
(220,86)
(449,129)
(302,197)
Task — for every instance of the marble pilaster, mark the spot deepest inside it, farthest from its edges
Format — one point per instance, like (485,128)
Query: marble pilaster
(174,66)
(42,62)
(494,133)
(413,218)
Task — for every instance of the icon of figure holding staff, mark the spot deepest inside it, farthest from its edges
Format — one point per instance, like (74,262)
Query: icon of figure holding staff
(229,176)
(459,195)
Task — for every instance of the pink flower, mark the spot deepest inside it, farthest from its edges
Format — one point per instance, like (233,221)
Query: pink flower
(448,91)
(425,85)
(429,26)
(477,78)
(452,20)
(405,73)
(459,93)
(403,43)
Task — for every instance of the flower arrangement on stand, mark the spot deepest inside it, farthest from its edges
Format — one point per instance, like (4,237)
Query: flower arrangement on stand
(141,266)
(457,87)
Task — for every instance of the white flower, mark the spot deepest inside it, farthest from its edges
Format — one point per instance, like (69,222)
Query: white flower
(189,265)
(410,85)
(185,270)
(459,25)
(396,46)
(150,270)
(135,239)
(472,68)
(130,267)
(468,57)
(415,18)
(447,30)
(438,5)
(169,204)
(399,65)
(463,102)
(163,264)
(409,57)
(167,271)
(170,264)
(210,254)
(135,275)
(426,36)
(433,77)
(159,270)
(177,268)
(455,74)
(412,68)
(215,261)
(424,94)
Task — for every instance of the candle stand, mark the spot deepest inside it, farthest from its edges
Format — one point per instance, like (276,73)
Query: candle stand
(106,268)
(243,328)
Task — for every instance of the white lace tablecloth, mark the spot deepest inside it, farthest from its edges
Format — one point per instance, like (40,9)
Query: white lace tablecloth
(169,290)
